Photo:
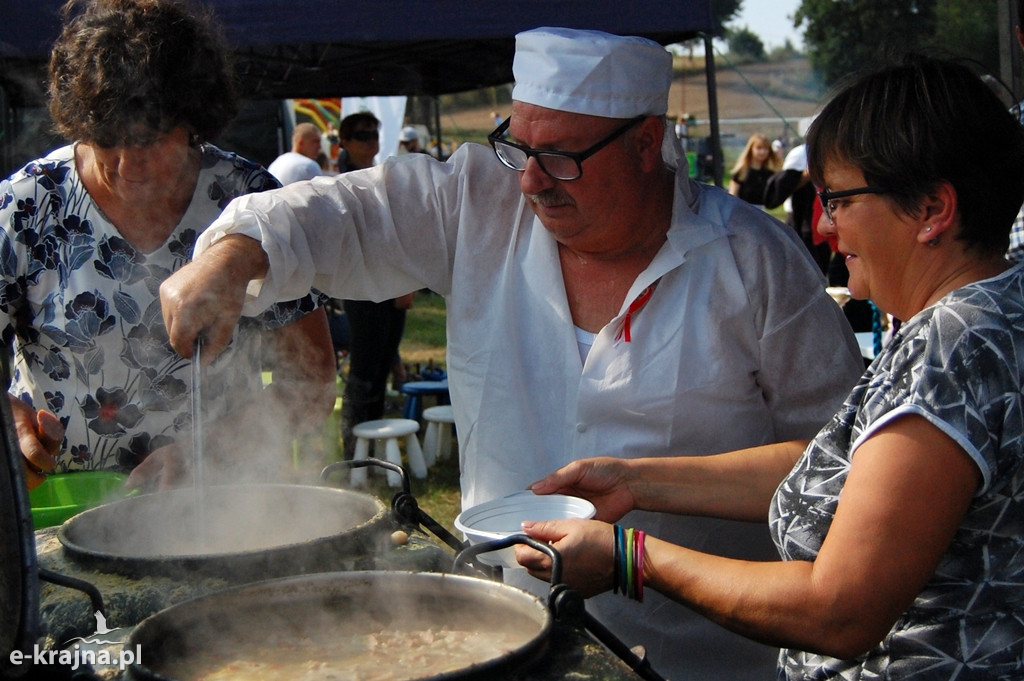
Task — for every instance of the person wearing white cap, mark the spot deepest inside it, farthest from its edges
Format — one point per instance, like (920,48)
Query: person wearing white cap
(598,300)
(409,141)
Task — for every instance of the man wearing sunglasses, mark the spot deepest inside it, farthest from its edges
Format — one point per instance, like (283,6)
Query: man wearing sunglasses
(375,328)
(359,139)
(599,302)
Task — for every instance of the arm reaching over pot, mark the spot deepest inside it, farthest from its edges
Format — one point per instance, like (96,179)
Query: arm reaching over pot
(204,298)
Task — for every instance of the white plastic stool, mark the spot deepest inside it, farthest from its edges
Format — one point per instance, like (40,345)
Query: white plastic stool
(386,433)
(437,441)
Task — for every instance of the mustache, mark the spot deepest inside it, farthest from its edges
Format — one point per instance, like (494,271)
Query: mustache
(551,197)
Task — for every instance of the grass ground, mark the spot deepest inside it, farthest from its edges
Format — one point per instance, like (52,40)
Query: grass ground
(423,343)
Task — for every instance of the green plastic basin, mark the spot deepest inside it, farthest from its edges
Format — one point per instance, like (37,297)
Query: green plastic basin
(66,494)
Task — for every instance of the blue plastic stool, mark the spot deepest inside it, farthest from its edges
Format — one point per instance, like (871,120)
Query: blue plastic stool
(417,390)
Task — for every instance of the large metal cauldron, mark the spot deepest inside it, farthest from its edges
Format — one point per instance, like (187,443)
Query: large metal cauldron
(375,625)
(398,626)
(245,532)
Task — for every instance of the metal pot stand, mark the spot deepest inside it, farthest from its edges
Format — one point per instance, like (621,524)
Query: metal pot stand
(565,604)
(20,574)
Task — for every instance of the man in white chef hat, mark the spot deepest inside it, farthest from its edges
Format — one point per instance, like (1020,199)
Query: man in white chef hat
(599,302)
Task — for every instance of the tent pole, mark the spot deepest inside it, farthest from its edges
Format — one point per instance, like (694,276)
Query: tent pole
(717,163)
(437,127)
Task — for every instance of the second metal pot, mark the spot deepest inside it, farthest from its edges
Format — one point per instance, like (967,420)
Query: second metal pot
(250,532)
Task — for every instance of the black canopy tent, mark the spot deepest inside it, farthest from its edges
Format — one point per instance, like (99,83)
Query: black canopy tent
(311,48)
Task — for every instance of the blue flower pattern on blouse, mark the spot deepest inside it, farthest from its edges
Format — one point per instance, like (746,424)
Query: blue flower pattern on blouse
(81,306)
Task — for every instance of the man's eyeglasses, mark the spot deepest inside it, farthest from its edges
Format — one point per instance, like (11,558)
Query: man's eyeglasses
(561,165)
(364,135)
(828,199)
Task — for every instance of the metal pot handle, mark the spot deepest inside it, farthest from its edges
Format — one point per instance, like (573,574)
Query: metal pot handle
(566,604)
(362,463)
(466,555)
(403,503)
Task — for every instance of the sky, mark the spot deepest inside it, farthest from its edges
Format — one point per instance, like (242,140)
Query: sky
(771,21)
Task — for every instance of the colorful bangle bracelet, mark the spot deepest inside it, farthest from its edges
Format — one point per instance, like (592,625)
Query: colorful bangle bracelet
(639,565)
(623,561)
(629,563)
(615,558)
(620,561)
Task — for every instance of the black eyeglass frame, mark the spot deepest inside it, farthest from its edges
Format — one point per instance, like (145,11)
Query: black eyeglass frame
(827,197)
(495,138)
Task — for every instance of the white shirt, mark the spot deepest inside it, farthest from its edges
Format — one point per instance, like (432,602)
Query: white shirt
(292,166)
(796,159)
(739,345)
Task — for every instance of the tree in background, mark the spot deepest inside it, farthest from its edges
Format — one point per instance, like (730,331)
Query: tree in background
(745,43)
(787,51)
(843,36)
(969,29)
(722,11)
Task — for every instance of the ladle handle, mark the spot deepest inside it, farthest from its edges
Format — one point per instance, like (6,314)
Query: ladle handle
(197,416)
(199,481)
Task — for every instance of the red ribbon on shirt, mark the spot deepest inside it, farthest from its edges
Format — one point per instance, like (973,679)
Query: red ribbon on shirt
(634,307)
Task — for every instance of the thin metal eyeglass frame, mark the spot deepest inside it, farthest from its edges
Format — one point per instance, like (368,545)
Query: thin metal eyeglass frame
(826,197)
(578,156)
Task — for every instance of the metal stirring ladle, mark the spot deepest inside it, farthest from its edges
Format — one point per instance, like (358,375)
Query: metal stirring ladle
(198,459)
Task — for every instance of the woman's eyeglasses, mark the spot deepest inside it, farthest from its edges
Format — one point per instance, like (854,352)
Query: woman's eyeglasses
(561,165)
(828,199)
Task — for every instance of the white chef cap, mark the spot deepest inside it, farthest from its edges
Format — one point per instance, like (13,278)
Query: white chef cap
(590,72)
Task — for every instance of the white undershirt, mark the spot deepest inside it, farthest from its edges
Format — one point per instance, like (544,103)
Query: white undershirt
(584,341)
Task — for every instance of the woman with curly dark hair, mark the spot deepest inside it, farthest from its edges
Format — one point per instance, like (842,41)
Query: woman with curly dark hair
(89,232)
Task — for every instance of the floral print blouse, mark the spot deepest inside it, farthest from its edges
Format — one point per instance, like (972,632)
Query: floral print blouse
(80,307)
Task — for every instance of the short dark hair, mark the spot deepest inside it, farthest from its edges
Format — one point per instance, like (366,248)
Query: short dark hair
(349,123)
(912,125)
(1020,14)
(123,72)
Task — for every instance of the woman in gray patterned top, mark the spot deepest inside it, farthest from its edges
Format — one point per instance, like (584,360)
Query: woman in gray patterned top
(88,233)
(900,526)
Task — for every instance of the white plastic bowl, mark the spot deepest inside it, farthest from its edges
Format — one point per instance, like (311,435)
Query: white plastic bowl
(501,517)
